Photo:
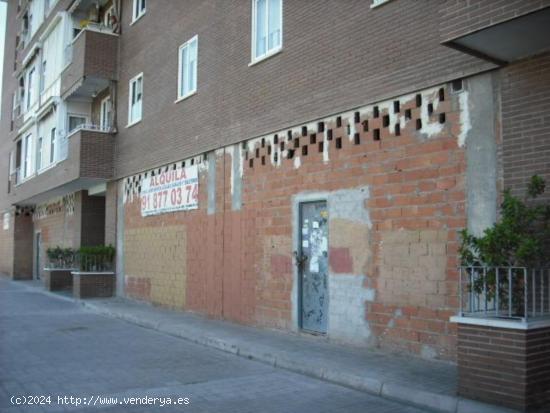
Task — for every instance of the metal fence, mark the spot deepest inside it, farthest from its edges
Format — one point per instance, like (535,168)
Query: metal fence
(516,293)
(82,262)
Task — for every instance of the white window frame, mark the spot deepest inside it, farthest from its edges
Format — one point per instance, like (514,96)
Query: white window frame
(27,156)
(182,96)
(269,52)
(133,80)
(108,13)
(39,153)
(53,143)
(138,12)
(30,86)
(104,118)
(76,115)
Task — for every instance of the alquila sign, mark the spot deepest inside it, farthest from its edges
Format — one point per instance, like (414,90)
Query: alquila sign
(172,190)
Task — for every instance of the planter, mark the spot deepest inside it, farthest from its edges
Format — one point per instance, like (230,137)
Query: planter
(504,362)
(57,279)
(93,284)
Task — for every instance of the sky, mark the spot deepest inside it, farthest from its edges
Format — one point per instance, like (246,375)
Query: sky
(2,41)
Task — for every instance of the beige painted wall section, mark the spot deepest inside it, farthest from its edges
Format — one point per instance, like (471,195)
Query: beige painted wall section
(159,255)
(413,268)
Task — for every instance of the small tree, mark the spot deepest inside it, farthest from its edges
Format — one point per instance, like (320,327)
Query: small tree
(521,238)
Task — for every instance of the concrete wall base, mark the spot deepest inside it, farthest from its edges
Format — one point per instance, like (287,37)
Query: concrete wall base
(92,285)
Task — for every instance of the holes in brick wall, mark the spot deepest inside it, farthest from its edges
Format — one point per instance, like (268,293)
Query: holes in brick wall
(275,139)
(244,145)
(356,117)
(276,157)
(257,152)
(397,129)
(320,127)
(430,108)
(304,150)
(321,146)
(263,143)
(297,142)
(348,130)
(282,146)
(183,164)
(312,139)
(290,154)
(456,85)
(441,118)
(441,94)
(408,114)
(396,106)
(246,155)
(365,126)
(269,149)
(329,134)
(251,163)
(192,161)
(338,143)
(386,121)
(289,135)
(263,160)
(418,100)
(339,121)
(304,130)
(376,134)
(375,112)
(356,139)
(418,124)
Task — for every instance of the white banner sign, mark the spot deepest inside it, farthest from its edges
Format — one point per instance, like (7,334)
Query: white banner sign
(174,190)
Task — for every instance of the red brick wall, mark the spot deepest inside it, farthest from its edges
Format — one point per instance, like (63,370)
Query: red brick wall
(238,263)
(525,122)
(460,17)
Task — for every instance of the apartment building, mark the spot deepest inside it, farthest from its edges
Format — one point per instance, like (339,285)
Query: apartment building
(279,163)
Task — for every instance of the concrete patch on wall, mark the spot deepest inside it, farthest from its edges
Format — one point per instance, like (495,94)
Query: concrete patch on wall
(347,302)
(413,268)
(159,255)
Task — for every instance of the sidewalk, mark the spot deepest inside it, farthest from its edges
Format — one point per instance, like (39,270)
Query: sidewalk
(411,380)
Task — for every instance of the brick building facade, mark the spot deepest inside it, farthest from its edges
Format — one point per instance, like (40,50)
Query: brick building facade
(397,117)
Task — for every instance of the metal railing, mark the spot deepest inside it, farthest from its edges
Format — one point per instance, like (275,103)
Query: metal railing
(82,262)
(91,127)
(515,293)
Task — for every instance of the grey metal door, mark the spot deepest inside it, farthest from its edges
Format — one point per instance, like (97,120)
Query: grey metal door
(312,261)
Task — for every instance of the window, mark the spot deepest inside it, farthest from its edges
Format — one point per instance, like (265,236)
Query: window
(135,99)
(39,154)
(76,121)
(187,75)
(30,84)
(108,17)
(139,9)
(105,114)
(27,159)
(52,145)
(267,27)
(43,76)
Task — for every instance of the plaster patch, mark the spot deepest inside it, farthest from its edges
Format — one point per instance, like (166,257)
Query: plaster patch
(347,306)
(349,204)
(465,123)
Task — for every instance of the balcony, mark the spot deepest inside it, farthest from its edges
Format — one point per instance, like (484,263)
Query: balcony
(91,63)
(87,160)
(499,34)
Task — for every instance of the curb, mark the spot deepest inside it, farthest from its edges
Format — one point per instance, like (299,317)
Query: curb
(391,391)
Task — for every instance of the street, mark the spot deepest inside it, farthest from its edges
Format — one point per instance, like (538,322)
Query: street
(54,350)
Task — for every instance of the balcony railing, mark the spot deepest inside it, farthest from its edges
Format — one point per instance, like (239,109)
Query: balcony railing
(85,262)
(514,293)
(91,127)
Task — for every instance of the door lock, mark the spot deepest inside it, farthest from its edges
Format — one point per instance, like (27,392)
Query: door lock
(300,259)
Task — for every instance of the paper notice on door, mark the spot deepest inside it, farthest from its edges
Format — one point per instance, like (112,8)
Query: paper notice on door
(314,264)
(315,224)
(305,243)
(324,244)
(305,231)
